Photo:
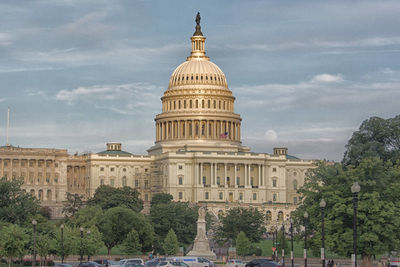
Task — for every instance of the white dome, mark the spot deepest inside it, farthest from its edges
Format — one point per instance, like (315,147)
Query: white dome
(197,71)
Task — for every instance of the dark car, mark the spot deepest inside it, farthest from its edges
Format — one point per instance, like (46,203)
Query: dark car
(62,265)
(90,264)
(154,262)
(262,263)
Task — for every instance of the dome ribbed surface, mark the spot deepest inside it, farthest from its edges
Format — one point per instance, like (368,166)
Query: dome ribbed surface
(197,72)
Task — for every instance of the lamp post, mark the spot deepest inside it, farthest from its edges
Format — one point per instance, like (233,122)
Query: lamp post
(34,223)
(291,242)
(62,243)
(322,205)
(276,242)
(355,188)
(81,248)
(88,256)
(283,241)
(273,243)
(305,238)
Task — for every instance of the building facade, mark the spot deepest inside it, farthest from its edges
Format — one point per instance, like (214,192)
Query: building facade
(197,157)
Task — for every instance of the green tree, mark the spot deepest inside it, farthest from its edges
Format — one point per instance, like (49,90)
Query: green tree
(70,241)
(12,241)
(282,242)
(16,206)
(91,241)
(87,217)
(239,219)
(243,244)
(177,216)
(161,198)
(73,204)
(131,244)
(108,197)
(378,207)
(171,245)
(119,221)
(43,246)
(376,137)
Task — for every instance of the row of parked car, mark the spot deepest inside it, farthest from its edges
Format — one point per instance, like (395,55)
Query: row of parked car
(185,261)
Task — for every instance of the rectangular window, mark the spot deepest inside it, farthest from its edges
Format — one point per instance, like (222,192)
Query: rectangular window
(180,167)
(218,180)
(23,163)
(146,197)
(112,169)
(240,196)
(180,195)
(207,196)
(274,183)
(136,183)
(274,197)
(238,180)
(5,163)
(102,169)
(254,196)
(274,169)
(112,182)
(146,183)
(101,181)
(221,195)
(180,180)
(295,200)
(204,180)
(146,170)
(30,163)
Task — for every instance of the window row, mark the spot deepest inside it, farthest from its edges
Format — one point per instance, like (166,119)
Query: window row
(169,105)
(26,163)
(196,78)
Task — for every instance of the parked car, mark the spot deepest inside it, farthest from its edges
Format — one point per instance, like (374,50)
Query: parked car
(132,260)
(235,263)
(107,263)
(62,265)
(193,261)
(153,262)
(90,264)
(262,263)
(168,263)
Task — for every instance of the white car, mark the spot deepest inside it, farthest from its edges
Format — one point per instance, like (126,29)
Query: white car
(124,262)
(235,263)
(168,263)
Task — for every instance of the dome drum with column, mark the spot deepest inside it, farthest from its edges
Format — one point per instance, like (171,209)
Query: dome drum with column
(198,107)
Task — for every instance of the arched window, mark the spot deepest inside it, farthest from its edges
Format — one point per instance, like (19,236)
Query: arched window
(280,216)
(49,196)
(295,185)
(124,183)
(268,216)
(40,195)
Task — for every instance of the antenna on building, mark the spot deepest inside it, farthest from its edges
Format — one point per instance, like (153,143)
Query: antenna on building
(8,126)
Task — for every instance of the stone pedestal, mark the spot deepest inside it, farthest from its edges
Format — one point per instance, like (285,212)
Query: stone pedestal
(201,246)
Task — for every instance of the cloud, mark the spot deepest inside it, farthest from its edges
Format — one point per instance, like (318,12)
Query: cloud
(5,39)
(318,43)
(2,99)
(328,78)
(87,26)
(271,135)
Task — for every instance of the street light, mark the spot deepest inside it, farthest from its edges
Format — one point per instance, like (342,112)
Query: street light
(322,205)
(81,249)
(291,242)
(62,243)
(305,238)
(34,222)
(283,241)
(355,188)
(88,256)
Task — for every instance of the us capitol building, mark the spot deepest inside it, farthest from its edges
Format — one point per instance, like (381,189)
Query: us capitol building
(198,155)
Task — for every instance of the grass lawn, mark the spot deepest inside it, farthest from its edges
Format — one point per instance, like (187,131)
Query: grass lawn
(298,248)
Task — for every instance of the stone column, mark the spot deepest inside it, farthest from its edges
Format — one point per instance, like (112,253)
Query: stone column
(235,179)
(246,182)
(225,179)
(201,173)
(259,175)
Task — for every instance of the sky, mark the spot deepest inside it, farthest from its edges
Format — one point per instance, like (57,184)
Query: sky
(77,74)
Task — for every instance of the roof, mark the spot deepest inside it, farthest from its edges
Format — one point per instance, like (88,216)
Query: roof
(114,152)
(290,157)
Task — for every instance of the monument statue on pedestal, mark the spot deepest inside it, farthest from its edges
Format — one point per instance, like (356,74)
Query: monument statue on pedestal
(201,247)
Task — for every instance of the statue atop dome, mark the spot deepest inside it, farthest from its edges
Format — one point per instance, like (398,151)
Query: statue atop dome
(198,27)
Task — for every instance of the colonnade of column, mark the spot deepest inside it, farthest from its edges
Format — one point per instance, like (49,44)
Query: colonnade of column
(198,129)
(209,176)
